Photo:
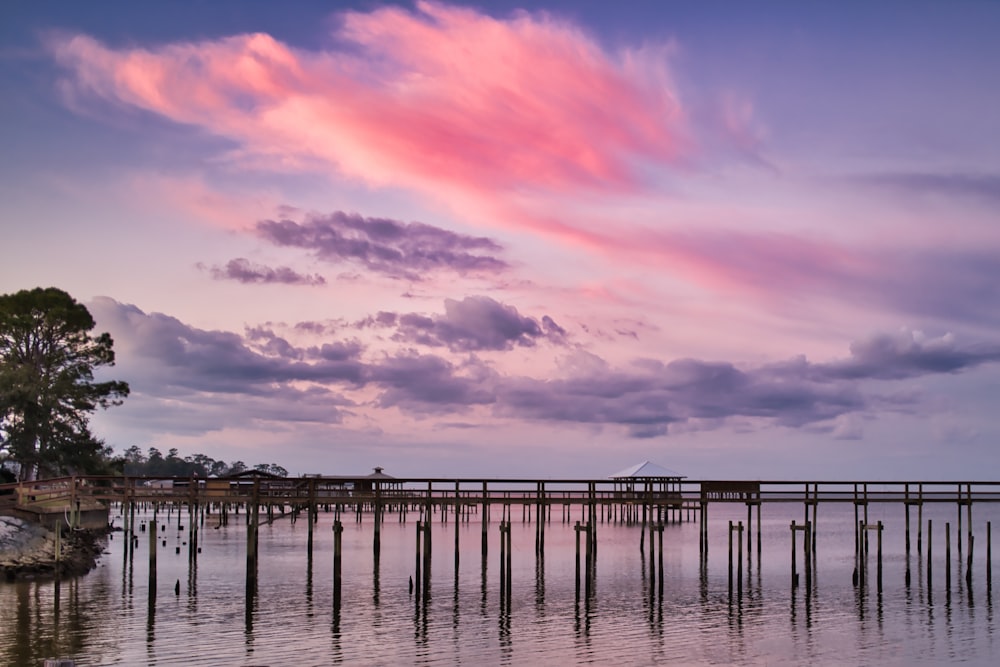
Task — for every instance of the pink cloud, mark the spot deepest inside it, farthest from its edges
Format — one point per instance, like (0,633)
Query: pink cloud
(438,99)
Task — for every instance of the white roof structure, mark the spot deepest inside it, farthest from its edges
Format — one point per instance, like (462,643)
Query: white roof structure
(646,470)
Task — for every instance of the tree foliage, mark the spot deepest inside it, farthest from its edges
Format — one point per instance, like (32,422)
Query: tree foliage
(155,464)
(47,388)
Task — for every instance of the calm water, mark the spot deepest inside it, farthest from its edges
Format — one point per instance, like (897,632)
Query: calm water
(113,617)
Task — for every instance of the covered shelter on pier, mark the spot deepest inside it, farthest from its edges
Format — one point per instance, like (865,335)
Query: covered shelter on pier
(648,476)
(385,482)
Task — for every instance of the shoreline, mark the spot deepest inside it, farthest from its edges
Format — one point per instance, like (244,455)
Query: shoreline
(27,551)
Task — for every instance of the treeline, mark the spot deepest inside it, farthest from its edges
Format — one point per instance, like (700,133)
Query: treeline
(153,463)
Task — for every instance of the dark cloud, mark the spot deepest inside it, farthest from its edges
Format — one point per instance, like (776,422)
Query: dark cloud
(648,400)
(244,271)
(396,249)
(909,354)
(261,375)
(431,384)
(182,358)
(473,324)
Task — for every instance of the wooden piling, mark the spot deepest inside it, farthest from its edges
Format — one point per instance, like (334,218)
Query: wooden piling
(731,557)
(418,569)
(577,529)
(930,551)
(989,557)
(947,556)
(152,549)
(879,566)
(795,576)
(338,531)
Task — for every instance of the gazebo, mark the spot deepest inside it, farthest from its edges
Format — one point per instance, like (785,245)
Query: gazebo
(649,476)
(385,482)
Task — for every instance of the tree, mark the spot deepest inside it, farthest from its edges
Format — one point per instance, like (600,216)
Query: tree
(47,387)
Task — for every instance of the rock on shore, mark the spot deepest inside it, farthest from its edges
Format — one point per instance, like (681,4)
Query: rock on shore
(27,550)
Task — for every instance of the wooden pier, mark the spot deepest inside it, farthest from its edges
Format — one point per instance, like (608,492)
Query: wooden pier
(649,503)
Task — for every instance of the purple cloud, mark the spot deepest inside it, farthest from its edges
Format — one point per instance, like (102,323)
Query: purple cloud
(169,360)
(245,271)
(389,247)
(475,323)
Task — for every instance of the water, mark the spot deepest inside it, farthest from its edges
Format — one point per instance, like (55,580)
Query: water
(109,616)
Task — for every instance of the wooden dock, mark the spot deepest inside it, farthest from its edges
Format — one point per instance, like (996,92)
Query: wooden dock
(646,502)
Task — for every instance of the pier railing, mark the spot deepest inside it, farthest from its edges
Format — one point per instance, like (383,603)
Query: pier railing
(448,491)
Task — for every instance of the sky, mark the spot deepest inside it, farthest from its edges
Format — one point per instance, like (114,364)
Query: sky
(545,240)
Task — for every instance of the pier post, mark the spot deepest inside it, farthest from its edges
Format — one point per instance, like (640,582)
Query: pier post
(338,531)
(857,522)
(704,528)
(418,568)
(505,562)
(589,565)
(906,505)
(947,556)
(152,550)
(879,572)
(807,551)
(577,528)
(795,576)
(758,533)
(920,517)
(731,558)
(377,518)
(958,532)
(311,513)
(968,563)
(930,550)
(968,507)
(659,530)
(862,554)
(485,519)
(989,558)
(739,560)
(253,518)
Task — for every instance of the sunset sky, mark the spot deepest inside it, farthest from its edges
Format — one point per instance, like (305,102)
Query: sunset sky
(755,240)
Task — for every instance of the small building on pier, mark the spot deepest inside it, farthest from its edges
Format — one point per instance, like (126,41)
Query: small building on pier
(645,477)
(385,482)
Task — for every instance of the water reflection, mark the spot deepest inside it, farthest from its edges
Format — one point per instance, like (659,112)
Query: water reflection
(659,607)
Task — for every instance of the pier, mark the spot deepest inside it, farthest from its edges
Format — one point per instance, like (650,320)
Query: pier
(648,503)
